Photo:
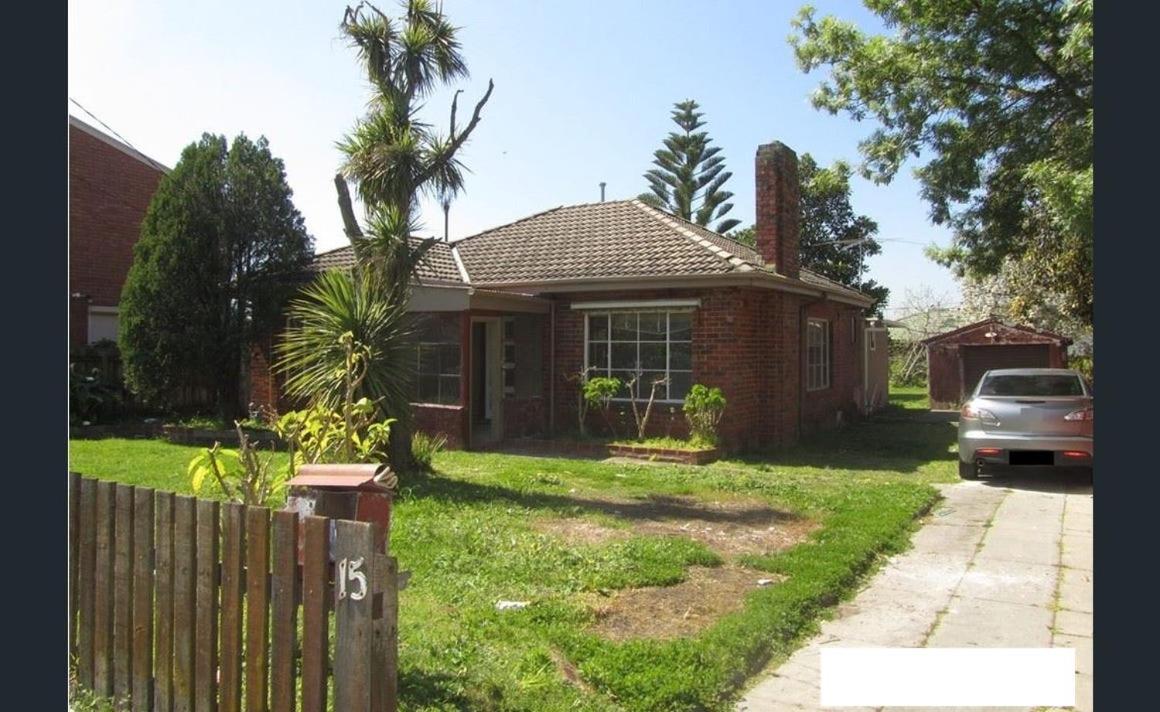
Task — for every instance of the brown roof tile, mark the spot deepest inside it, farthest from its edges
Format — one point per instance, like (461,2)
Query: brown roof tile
(598,240)
(437,266)
(594,241)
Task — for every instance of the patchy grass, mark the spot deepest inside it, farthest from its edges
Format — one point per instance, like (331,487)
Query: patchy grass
(668,443)
(471,533)
(909,397)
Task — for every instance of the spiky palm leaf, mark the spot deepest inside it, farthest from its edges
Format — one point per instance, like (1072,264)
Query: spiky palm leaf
(312,355)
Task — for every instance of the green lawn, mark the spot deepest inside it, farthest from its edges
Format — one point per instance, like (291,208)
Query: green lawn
(909,397)
(471,535)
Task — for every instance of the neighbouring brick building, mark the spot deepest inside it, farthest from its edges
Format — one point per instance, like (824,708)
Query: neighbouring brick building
(957,359)
(516,313)
(110,186)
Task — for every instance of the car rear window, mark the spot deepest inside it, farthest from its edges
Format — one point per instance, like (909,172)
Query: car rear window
(1031,385)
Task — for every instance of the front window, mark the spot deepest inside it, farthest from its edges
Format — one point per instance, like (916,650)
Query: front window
(817,354)
(437,362)
(657,344)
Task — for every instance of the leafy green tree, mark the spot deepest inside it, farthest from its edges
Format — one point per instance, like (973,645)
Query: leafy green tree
(393,158)
(690,174)
(221,245)
(835,241)
(998,95)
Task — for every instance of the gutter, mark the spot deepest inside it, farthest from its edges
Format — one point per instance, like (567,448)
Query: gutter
(766,280)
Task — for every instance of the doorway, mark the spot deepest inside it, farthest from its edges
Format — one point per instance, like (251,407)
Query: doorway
(486,363)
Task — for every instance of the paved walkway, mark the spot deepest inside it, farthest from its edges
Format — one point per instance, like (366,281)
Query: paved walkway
(1004,563)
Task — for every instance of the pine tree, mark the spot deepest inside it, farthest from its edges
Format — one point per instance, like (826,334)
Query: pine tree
(690,174)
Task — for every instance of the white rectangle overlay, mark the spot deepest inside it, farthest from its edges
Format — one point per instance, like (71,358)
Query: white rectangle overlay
(965,677)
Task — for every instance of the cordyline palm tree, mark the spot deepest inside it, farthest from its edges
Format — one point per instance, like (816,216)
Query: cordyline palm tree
(392,158)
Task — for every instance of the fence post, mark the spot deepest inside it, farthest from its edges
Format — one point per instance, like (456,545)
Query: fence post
(143,599)
(103,596)
(74,559)
(206,596)
(233,585)
(354,563)
(86,581)
(315,621)
(385,650)
(123,594)
(283,611)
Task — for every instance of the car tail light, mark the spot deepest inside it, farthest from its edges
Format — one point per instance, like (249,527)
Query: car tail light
(1084,414)
(970,411)
(988,451)
(1075,453)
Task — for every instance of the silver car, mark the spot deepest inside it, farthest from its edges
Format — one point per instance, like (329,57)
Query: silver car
(1027,417)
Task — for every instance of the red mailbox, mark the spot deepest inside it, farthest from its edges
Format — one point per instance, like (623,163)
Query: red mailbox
(359,492)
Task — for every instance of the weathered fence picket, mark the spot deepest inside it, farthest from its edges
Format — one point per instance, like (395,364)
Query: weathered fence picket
(179,604)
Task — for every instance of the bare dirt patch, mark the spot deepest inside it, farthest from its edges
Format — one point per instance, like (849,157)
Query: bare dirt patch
(665,612)
(730,527)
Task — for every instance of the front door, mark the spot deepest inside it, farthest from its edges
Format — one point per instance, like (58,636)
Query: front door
(486,377)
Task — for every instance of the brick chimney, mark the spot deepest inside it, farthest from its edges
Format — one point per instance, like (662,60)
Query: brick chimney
(778,208)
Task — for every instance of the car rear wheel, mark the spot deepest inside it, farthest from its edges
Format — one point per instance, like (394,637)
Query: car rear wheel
(968,470)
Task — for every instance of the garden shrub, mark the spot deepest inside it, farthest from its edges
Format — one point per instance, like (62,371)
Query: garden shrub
(704,408)
(425,447)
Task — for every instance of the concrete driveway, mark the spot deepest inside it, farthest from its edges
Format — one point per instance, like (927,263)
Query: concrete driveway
(1004,562)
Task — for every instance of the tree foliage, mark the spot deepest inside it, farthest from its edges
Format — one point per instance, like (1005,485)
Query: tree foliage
(392,157)
(835,240)
(1013,296)
(690,175)
(221,246)
(999,95)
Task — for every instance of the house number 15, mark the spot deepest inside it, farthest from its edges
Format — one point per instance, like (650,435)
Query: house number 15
(348,570)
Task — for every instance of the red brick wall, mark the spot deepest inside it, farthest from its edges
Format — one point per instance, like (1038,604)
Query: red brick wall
(746,342)
(447,420)
(109,192)
(820,408)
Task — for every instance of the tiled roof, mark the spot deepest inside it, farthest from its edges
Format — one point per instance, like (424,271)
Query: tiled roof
(599,240)
(595,241)
(437,266)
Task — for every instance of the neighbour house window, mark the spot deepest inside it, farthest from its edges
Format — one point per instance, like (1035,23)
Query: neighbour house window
(102,324)
(657,343)
(873,340)
(437,362)
(817,354)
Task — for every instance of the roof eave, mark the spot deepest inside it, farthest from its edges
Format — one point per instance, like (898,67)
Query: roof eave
(760,279)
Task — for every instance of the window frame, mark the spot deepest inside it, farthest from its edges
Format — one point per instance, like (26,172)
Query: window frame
(607,369)
(440,374)
(822,370)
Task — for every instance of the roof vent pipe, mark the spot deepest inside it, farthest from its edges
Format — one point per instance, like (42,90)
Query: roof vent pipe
(602,184)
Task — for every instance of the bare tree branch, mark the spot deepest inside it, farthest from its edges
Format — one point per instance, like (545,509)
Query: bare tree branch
(456,141)
(349,223)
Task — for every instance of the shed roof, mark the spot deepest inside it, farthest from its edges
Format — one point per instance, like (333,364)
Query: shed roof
(1038,335)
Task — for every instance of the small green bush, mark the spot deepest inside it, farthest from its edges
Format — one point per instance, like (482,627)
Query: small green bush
(425,447)
(704,408)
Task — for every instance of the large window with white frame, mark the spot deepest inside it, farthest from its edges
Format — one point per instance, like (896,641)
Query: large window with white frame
(817,354)
(657,343)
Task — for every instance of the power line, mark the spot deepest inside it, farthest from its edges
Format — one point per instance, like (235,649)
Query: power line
(119,136)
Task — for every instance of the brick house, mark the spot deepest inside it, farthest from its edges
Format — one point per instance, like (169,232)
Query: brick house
(515,313)
(110,186)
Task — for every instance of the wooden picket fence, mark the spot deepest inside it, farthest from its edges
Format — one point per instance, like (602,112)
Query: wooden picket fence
(178,603)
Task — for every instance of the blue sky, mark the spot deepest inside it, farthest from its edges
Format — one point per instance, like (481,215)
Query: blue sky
(583,94)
